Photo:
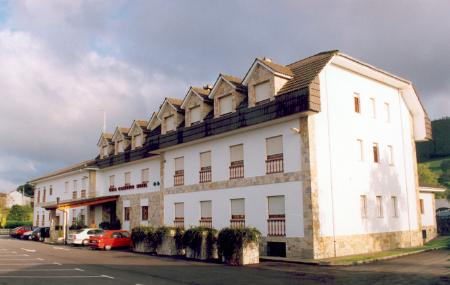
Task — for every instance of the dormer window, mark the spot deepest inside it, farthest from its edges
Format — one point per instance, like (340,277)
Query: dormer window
(195,114)
(225,104)
(262,92)
(170,123)
(105,150)
(138,141)
(119,146)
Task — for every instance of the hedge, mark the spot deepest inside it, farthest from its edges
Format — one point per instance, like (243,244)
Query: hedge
(231,240)
(15,224)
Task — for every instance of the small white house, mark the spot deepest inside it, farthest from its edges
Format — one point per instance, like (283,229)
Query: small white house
(17,198)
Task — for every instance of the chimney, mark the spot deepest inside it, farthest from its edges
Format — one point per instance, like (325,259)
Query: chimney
(208,87)
(267,59)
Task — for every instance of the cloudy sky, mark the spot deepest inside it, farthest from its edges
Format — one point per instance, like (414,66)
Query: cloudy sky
(63,62)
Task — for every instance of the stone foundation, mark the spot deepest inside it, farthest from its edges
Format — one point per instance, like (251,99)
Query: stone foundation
(154,203)
(431,232)
(295,247)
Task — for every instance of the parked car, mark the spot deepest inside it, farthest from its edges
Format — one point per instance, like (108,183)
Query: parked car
(27,235)
(19,231)
(39,234)
(81,237)
(110,239)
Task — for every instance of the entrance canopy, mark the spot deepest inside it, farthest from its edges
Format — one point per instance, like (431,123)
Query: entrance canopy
(80,202)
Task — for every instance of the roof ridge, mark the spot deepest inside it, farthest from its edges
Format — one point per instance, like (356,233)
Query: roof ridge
(334,51)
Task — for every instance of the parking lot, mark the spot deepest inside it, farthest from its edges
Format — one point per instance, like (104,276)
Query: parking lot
(27,262)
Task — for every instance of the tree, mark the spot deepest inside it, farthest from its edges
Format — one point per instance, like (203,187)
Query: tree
(20,214)
(27,188)
(427,177)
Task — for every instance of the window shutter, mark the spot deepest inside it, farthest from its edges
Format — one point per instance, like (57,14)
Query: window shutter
(206,209)
(262,91)
(112,180)
(274,145)
(179,210)
(237,152)
(138,141)
(237,207)
(127,178)
(363,206)
(225,104)
(205,159)
(179,163)
(276,205)
(145,175)
(195,114)
(379,206)
(170,123)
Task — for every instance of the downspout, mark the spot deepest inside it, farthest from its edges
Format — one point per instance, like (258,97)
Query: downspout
(330,165)
(404,165)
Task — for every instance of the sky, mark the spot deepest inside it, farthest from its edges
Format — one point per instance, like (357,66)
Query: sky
(62,63)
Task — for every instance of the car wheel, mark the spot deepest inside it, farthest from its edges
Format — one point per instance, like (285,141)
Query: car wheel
(85,242)
(107,247)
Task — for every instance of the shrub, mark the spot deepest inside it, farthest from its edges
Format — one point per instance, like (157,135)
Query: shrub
(140,234)
(231,240)
(179,232)
(193,237)
(15,224)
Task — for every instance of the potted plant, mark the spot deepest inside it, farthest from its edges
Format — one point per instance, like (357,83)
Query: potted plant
(141,238)
(239,246)
(167,243)
(200,243)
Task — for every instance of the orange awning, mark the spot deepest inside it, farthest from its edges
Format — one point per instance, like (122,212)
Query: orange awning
(81,202)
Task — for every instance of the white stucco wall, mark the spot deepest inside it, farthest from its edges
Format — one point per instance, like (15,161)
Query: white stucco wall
(342,178)
(429,214)
(254,154)
(256,206)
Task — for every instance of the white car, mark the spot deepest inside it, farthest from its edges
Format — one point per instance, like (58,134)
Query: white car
(81,237)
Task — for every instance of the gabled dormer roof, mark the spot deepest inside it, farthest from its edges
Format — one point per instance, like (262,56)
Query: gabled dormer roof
(276,69)
(141,124)
(174,103)
(201,93)
(233,81)
(120,133)
(154,122)
(104,136)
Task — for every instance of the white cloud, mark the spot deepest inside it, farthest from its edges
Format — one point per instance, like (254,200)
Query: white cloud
(50,108)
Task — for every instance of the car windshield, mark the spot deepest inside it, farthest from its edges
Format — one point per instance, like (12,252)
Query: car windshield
(97,232)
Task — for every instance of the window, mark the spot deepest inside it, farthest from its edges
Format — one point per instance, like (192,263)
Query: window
(178,178)
(105,151)
(51,190)
(360,150)
(44,195)
(394,206)
(145,175)
(138,141)
(75,185)
(126,213)
(144,213)
(374,108)
(179,164)
(363,202)
(127,178)
(422,206)
(84,183)
(66,187)
(274,151)
(388,112)
(112,179)
(170,123)
(82,216)
(357,103)
(179,210)
(205,159)
(262,92)
(390,155)
(237,208)
(237,161)
(74,195)
(195,114)
(379,207)
(39,196)
(225,104)
(205,209)
(276,206)
(376,156)
(120,146)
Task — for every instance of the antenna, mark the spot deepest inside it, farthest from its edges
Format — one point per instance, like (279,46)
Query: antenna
(104,120)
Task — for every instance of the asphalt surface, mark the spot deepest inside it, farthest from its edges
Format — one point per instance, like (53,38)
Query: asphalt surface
(27,262)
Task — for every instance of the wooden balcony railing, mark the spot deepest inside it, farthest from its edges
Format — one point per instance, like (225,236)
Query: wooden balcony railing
(206,222)
(274,164)
(276,225)
(179,222)
(83,193)
(237,169)
(237,221)
(205,174)
(178,178)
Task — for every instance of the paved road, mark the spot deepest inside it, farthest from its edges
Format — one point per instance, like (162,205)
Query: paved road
(26,262)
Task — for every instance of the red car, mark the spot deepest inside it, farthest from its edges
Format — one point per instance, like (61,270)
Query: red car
(19,231)
(110,239)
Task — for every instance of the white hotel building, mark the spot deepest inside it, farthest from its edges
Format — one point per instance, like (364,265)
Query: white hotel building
(319,155)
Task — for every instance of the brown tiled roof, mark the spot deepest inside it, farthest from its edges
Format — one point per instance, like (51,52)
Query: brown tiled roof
(202,92)
(175,101)
(107,136)
(306,70)
(123,130)
(236,81)
(278,67)
(141,123)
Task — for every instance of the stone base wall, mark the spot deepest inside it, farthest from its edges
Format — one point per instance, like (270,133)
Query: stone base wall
(295,246)
(154,203)
(431,232)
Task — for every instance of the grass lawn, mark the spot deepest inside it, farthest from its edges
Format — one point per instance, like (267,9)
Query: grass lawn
(440,242)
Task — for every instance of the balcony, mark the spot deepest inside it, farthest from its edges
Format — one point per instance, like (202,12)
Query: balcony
(206,222)
(237,169)
(178,178)
(237,221)
(142,185)
(205,174)
(179,222)
(83,193)
(276,225)
(274,164)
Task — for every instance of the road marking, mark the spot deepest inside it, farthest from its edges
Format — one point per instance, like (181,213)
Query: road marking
(44,270)
(57,263)
(13,255)
(29,250)
(17,259)
(61,248)
(57,277)
(31,263)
